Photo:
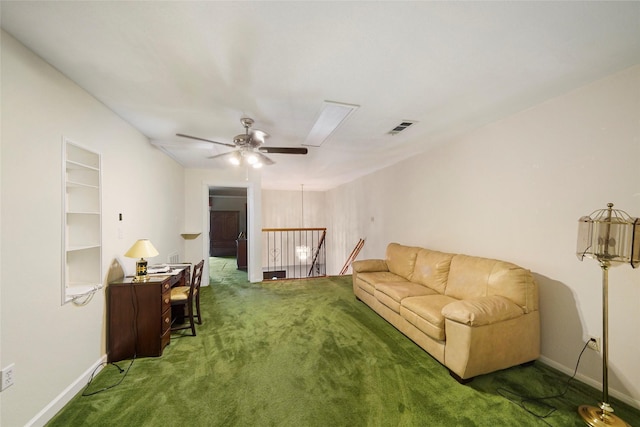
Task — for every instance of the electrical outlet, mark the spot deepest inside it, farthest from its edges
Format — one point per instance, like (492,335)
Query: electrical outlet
(7,377)
(594,344)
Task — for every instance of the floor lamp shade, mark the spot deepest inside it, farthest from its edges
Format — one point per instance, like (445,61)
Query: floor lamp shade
(611,237)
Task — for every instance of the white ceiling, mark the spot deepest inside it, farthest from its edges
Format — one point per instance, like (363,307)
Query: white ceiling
(198,67)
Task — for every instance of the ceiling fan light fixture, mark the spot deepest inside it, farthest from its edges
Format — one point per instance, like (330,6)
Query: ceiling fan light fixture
(251,158)
(235,159)
(257,165)
(331,116)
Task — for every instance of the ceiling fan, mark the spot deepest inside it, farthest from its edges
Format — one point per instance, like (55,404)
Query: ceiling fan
(249,147)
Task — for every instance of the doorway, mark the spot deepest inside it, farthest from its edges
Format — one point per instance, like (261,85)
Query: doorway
(227,231)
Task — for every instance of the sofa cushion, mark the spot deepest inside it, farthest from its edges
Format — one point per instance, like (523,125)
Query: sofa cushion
(471,277)
(515,283)
(482,311)
(392,293)
(425,313)
(367,265)
(432,269)
(468,276)
(401,259)
(369,281)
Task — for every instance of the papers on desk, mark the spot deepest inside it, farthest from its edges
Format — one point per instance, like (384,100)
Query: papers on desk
(158,269)
(166,269)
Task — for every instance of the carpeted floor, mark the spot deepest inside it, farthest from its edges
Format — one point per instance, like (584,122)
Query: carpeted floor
(224,271)
(306,353)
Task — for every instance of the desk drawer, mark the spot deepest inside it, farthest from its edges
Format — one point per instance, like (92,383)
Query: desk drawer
(166,301)
(166,286)
(166,321)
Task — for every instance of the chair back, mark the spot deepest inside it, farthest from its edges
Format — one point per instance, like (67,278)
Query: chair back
(196,278)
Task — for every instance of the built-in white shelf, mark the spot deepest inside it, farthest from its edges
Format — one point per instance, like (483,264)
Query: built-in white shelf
(82,217)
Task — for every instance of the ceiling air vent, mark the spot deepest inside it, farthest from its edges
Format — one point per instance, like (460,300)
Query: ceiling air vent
(402,126)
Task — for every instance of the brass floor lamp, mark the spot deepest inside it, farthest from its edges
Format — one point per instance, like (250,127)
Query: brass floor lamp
(611,237)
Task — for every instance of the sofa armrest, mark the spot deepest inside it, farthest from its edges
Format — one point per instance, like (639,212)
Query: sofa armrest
(369,265)
(482,311)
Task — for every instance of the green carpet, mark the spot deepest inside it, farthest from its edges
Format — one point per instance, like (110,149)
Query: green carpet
(306,353)
(224,271)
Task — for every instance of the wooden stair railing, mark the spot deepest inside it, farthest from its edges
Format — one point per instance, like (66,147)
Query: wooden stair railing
(354,254)
(290,251)
(317,252)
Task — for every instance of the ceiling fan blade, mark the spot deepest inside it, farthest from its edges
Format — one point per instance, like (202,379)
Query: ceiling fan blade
(259,134)
(218,156)
(283,150)
(264,159)
(173,145)
(207,140)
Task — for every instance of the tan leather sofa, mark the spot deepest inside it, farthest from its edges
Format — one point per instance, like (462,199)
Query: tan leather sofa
(474,315)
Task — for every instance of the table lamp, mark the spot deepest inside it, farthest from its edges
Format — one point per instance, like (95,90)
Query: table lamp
(140,249)
(611,237)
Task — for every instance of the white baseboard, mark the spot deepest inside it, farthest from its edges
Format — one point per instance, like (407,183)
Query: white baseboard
(593,383)
(65,397)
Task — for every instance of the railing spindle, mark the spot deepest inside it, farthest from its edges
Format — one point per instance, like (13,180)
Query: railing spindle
(294,253)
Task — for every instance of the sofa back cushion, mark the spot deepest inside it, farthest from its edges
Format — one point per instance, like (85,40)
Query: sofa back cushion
(432,269)
(401,259)
(471,277)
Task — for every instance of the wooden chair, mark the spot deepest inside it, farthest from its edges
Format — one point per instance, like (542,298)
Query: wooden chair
(196,294)
(183,297)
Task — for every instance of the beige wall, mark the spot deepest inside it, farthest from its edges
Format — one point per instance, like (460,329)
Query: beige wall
(57,346)
(293,209)
(514,190)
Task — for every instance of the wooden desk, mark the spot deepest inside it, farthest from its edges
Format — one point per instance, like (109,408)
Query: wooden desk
(139,315)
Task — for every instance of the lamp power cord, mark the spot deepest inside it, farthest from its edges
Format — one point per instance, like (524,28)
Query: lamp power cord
(134,327)
(523,401)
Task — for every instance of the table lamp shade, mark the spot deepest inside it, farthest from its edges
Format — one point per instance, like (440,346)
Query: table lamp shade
(140,249)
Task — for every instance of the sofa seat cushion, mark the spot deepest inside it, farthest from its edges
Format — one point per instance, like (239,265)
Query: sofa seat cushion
(369,281)
(482,311)
(391,293)
(425,313)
